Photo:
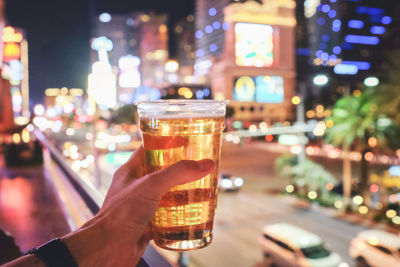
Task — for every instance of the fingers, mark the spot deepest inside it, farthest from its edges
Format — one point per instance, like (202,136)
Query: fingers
(135,164)
(158,183)
(133,168)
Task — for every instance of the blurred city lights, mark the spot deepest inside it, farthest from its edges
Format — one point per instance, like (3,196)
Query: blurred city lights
(90,158)
(320,80)
(357,93)
(26,136)
(329,186)
(16,138)
(296,100)
(269,138)
(355,24)
(289,188)
(369,156)
(102,43)
(391,213)
(360,39)
(229,137)
(105,17)
(29,127)
(263,127)
(363,209)
(253,128)
(312,195)
(329,123)
(358,200)
(70,131)
(348,69)
(236,139)
(319,129)
(396,219)
(371,81)
(372,142)
(338,204)
(377,30)
(296,149)
(374,188)
(386,20)
(212,11)
(392,198)
(238,182)
(171,66)
(38,110)
(310,7)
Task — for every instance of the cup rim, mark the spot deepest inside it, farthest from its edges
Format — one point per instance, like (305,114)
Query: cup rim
(181,101)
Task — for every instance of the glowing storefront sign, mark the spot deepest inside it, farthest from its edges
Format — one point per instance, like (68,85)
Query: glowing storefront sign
(245,89)
(10,36)
(263,89)
(269,89)
(254,45)
(102,85)
(129,76)
(12,51)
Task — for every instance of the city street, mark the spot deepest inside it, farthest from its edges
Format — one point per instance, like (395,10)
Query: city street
(241,216)
(302,94)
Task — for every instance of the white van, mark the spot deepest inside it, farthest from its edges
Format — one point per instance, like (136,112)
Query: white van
(376,248)
(288,245)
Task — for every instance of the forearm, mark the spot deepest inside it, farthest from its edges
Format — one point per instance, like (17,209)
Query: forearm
(28,260)
(87,247)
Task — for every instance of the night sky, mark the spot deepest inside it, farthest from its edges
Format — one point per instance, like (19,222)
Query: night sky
(58,35)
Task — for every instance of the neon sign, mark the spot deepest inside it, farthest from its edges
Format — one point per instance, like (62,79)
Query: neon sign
(263,89)
(254,45)
(12,51)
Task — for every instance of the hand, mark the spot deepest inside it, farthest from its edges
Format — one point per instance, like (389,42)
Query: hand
(120,232)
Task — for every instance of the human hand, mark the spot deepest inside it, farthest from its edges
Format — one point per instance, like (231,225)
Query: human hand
(120,232)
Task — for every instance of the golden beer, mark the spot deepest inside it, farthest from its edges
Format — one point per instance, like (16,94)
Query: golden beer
(184,218)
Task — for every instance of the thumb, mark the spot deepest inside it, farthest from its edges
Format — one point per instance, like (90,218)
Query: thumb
(184,171)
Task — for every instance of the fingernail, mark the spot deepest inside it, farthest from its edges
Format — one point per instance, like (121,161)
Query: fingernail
(206,164)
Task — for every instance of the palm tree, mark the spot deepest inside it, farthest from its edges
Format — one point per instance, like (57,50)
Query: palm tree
(355,120)
(387,94)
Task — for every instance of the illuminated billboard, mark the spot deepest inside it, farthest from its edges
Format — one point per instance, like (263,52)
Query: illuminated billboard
(263,89)
(254,45)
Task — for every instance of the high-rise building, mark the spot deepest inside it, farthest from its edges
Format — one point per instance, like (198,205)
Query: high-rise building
(209,33)
(347,40)
(248,55)
(153,48)
(137,51)
(184,50)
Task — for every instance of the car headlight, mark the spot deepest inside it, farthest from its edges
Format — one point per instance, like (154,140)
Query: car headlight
(226,183)
(238,182)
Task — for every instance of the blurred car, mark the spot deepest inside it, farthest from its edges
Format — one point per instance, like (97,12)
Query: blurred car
(288,245)
(376,248)
(230,183)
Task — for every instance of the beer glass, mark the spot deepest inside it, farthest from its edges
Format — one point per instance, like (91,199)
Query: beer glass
(175,130)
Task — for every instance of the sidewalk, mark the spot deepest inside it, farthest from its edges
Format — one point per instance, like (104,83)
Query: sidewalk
(29,209)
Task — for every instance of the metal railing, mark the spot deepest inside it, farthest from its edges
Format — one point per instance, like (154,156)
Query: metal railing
(93,198)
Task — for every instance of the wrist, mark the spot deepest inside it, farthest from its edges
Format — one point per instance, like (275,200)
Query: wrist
(87,244)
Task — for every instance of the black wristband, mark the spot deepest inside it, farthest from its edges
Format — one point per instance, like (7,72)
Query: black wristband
(54,254)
